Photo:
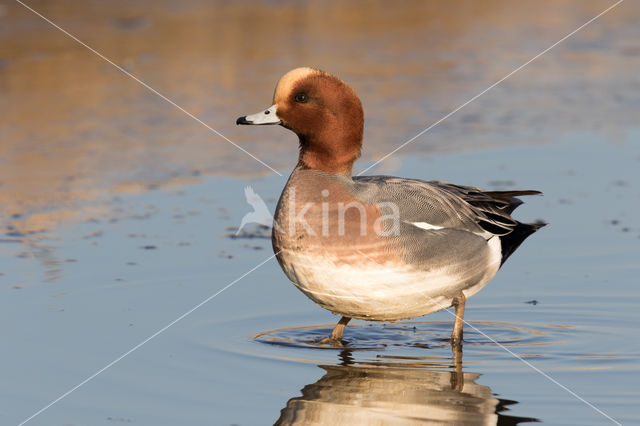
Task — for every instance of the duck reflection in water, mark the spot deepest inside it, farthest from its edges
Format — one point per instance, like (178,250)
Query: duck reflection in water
(408,393)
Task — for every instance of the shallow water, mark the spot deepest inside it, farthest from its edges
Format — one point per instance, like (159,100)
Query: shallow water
(252,351)
(75,130)
(119,214)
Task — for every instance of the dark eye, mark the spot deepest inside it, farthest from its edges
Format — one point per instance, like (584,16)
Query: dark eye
(301,98)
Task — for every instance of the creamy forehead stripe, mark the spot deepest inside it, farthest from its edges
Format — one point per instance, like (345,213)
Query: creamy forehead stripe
(289,79)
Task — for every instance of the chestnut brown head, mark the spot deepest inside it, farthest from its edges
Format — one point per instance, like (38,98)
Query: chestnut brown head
(324,112)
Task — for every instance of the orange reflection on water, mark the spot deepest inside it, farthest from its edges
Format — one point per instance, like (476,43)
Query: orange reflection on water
(75,130)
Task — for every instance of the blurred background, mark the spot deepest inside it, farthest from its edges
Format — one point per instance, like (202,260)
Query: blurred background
(118,211)
(74,129)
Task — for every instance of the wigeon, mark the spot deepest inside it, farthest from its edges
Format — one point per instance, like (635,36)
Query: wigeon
(377,248)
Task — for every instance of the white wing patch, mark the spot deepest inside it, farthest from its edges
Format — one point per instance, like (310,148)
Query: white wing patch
(495,248)
(425,225)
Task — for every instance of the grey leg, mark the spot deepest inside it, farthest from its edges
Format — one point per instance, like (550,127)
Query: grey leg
(457,376)
(458,302)
(336,334)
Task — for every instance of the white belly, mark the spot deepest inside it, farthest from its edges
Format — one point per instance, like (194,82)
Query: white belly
(361,288)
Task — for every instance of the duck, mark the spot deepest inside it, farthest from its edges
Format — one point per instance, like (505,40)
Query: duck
(377,248)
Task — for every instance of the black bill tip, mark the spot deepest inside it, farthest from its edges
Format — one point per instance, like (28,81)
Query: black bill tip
(243,120)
